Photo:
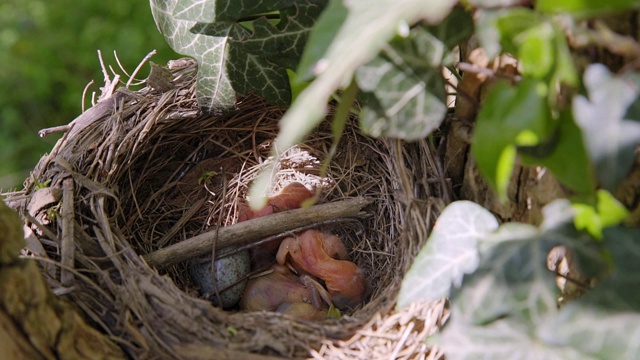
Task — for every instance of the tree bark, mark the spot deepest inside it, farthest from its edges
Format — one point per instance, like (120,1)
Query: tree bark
(34,323)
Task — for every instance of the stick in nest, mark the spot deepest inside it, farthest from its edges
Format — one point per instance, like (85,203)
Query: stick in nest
(251,230)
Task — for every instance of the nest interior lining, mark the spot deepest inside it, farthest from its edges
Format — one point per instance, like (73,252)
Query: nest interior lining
(156,172)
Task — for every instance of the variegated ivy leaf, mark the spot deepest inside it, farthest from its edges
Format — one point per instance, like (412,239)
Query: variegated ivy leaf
(610,137)
(232,59)
(209,11)
(213,85)
(283,43)
(403,90)
(403,95)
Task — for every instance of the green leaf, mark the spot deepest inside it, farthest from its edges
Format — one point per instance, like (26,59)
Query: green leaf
(232,59)
(621,290)
(536,50)
(512,23)
(609,138)
(212,85)
(587,219)
(607,212)
(363,34)
(594,331)
(403,90)
(611,211)
(565,155)
(451,251)
(323,34)
(505,339)
(403,95)
(208,11)
(498,307)
(507,112)
(537,41)
(282,43)
(254,74)
(605,322)
(585,7)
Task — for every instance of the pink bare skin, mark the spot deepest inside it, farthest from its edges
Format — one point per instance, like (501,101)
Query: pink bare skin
(270,292)
(308,254)
(290,197)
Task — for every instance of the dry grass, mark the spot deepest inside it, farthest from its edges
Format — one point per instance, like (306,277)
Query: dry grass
(154,171)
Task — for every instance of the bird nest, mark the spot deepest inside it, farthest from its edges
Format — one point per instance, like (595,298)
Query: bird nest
(145,171)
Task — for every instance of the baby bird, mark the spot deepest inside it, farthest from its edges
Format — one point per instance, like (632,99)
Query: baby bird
(290,197)
(283,291)
(309,253)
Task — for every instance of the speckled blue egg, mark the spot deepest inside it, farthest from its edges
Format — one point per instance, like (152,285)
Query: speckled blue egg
(229,270)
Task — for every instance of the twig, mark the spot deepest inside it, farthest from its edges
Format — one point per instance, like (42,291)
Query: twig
(464,66)
(96,112)
(135,72)
(48,131)
(232,250)
(604,37)
(109,85)
(216,234)
(250,231)
(84,94)
(67,246)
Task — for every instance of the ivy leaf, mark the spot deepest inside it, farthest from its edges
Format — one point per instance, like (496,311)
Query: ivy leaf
(565,155)
(451,251)
(537,42)
(608,335)
(364,32)
(512,278)
(283,43)
(325,31)
(403,95)
(251,73)
(212,85)
(510,116)
(610,309)
(403,90)
(208,11)
(609,138)
(498,306)
(607,212)
(231,59)
(505,339)
(585,7)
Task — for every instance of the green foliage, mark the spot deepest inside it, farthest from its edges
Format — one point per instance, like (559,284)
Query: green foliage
(523,117)
(586,7)
(566,158)
(606,212)
(231,58)
(403,89)
(450,253)
(505,305)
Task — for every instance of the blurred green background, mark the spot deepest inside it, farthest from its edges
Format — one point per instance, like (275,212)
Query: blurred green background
(48,54)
